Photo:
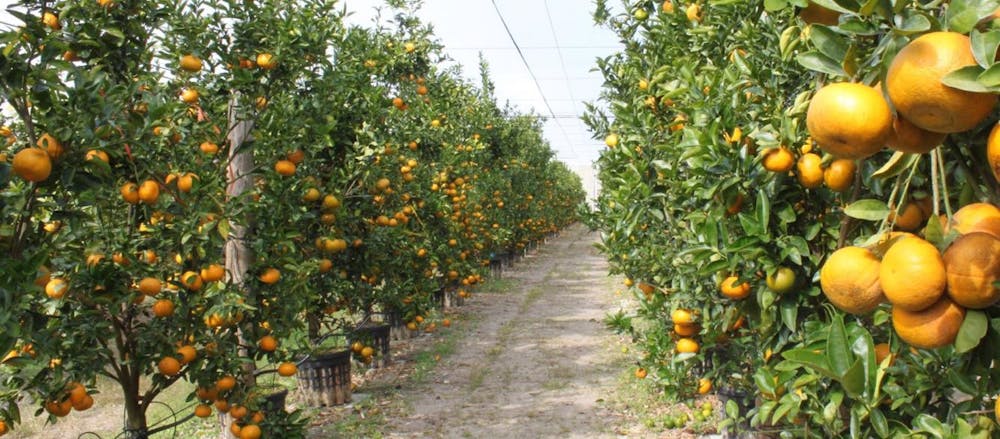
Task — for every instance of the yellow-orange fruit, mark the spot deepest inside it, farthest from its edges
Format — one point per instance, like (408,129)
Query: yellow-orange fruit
(931,328)
(907,137)
(977,217)
(778,160)
(733,291)
(912,274)
(993,151)
(687,345)
(32,164)
(810,171)
(915,88)
(839,176)
(850,280)
(849,120)
(973,265)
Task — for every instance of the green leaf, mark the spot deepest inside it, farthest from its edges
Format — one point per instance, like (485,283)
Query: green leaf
(899,162)
(961,381)
(972,331)
(814,360)
(853,379)
(984,47)
(828,42)
(966,78)
(928,424)
(963,15)
(815,61)
(990,77)
(838,349)
(879,422)
(789,313)
(763,209)
(868,210)
(732,409)
(831,410)
(775,5)
(913,23)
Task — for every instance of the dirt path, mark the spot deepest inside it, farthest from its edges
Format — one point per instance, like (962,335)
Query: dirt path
(538,363)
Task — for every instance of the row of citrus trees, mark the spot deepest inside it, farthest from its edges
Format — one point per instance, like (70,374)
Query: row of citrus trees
(804,195)
(199,191)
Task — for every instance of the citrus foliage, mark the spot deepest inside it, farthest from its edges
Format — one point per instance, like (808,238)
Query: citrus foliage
(759,155)
(184,185)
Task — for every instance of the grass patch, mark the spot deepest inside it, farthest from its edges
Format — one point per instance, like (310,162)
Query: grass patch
(497,286)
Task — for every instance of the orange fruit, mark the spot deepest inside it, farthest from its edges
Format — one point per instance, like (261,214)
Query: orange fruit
(849,120)
(223,407)
(839,176)
(77,393)
(973,265)
(911,218)
(367,352)
(693,12)
(611,140)
(149,191)
(882,352)
(59,408)
(398,103)
(912,274)
(225,383)
(203,410)
(993,151)
(382,184)
(782,281)
(130,193)
(266,61)
(267,343)
(330,202)
(681,316)
(250,431)
(190,63)
(205,394)
(704,386)
(169,366)
(188,353)
(52,146)
(850,280)
(977,217)
(640,373)
(189,96)
(186,182)
(32,164)
(686,329)
(733,291)
(907,137)
(285,168)
(778,160)
(209,148)
(325,265)
(810,170)
(150,286)
(647,289)
(51,20)
(238,411)
(270,276)
(3,427)
(213,273)
(85,403)
(915,88)
(687,345)
(930,328)
(163,308)
(192,281)
(287,369)
(816,14)
(56,288)
(96,154)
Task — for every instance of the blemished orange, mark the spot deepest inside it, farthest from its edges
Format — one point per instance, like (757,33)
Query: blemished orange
(32,164)
(973,265)
(52,146)
(809,170)
(977,217)
(915,88)
(849,120)
(934,327)
(850,280)
(730,289)
(907,137)
(912,274)
(839,176)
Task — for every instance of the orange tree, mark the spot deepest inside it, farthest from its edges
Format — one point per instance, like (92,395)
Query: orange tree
(735,171)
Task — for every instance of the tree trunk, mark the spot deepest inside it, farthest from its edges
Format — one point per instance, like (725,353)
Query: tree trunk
(237,255)
(135,413)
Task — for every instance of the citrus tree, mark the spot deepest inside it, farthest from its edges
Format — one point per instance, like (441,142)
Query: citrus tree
(767,189)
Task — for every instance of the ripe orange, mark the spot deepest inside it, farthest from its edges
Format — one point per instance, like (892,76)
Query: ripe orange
(611,140)
(56,288)
(311,195)
(213,273)
(693,12)
(839,176)
(3,427)
(907,137)
(687,345)
(915,88)
(367,352)
(188,353)
(267,343)
(816,14)
(382,184)
(993,151)
(96,154)
(250,431)
(882,352)
(225,383)
(238,411)
(77,393)
(192,281)
(203,410)
(931,328)
(330,202)
(51,20)
(169,366)
(810,170)
(325,265)
(647,289)
(266,61)
(640,373)
(287,369)
(912,274)
(977,217)
(733,291)
(686,329)
(190,63)
(849,120)
(163,308)
(681,316)
(85,403)
(52,146)
(398,103)
(150,286)
(285,168)
(130,193)
(973,265)
(32,164)
(149,191)
(704,386)
(189,96)
(778,160)
(270,276)
(59,408)
(850,280)
(209,148)
(911,218)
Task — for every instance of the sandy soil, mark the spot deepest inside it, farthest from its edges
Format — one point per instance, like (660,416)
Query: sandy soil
(538,364)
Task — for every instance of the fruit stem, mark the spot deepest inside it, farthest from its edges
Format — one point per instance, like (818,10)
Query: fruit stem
(935,190)
(944,181)
(846,221)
